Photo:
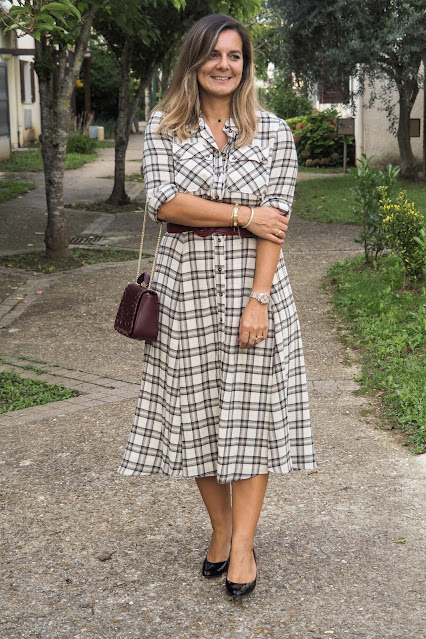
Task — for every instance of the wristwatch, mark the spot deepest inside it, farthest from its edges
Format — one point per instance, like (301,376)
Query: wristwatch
(263,298)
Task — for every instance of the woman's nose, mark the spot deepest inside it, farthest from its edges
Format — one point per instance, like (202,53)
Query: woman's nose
(223,61)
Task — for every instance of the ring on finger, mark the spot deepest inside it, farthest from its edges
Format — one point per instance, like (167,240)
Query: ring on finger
(259,337)
(279,233)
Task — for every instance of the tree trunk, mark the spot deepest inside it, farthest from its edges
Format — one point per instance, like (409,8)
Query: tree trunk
(126,114)
(148,100)
(408,164)
(57,73)
(54,126)
(119,196)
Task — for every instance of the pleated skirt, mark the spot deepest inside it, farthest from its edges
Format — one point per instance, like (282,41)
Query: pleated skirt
(207,407)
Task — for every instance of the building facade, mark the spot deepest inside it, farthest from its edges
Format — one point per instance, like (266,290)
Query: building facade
(19,95)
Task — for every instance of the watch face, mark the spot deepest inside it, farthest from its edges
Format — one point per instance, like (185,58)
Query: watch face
(264,298)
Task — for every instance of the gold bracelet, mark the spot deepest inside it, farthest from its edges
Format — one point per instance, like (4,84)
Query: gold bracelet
(234,217)
(251,218)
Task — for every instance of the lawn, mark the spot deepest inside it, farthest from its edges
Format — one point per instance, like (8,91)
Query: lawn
(329,199)
(388,326)
(32,161)
(10,189)
(17,393)
(36,261)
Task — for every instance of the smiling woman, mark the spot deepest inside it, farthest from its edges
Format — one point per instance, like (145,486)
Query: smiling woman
(223,396)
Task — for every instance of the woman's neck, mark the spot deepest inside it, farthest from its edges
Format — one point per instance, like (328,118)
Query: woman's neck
(216,110)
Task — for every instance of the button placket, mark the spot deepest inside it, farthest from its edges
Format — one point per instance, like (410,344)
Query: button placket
(219,263)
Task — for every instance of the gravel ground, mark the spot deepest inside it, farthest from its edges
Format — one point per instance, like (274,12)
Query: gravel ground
(87,553)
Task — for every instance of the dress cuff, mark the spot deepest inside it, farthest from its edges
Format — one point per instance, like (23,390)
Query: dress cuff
(158,197)
(278,203)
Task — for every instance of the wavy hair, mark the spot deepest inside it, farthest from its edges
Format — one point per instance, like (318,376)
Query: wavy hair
(181,104)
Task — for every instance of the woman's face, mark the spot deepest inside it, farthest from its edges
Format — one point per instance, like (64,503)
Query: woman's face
(220,75)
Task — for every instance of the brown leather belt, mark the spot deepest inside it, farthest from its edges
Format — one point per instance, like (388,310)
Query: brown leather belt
(204,232)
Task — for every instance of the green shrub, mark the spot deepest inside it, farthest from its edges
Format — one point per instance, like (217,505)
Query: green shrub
(80,143)
(370,186)
(316,139)
(403,227)
(285,103)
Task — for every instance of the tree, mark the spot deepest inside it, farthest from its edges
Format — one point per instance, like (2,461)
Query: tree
(61,30)
(368,40)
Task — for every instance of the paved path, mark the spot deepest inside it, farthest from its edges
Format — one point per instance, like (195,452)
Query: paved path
(86,553)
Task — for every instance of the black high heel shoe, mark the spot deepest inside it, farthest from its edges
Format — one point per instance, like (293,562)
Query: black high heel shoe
(214,569)
(240,590)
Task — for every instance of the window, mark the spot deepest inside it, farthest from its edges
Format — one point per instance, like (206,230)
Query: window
(333,93)
(26,70)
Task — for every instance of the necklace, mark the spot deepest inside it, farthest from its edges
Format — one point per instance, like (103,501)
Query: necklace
(218,120)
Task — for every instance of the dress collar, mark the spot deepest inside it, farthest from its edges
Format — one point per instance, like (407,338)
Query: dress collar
(230,128)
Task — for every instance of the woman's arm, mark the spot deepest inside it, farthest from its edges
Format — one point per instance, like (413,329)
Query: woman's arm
(254,319)
(191,210)
(280,193)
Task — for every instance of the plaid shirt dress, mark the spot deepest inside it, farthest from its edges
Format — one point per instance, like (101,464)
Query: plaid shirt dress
(207,407)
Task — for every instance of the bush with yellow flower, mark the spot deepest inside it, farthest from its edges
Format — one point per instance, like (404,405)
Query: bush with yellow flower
(402,224)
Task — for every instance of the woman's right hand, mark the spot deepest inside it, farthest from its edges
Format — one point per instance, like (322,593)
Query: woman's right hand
(267,222)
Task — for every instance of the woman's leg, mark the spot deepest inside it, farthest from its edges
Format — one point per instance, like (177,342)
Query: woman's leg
(217,499)
(247,500)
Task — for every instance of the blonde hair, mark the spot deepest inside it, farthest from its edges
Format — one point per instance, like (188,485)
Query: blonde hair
(181,104)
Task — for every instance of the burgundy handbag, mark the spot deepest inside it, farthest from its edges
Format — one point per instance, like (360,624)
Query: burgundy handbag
(138,313)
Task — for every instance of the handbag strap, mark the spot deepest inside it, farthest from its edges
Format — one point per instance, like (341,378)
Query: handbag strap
(141,247)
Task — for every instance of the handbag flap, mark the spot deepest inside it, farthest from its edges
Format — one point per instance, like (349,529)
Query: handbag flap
(127,311)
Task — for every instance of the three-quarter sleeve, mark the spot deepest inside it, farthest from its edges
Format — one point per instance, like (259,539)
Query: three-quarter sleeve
(157,167)
(283,171)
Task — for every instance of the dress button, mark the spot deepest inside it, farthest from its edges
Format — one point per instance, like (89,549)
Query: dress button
(219,239)
(217,197)
(220,294)
(219,270)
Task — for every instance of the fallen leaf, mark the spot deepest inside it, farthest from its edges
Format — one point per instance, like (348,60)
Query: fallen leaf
(19,298)
(400,540)
(38,292)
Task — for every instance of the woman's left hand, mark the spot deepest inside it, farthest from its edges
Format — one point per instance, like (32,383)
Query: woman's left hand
(253,324)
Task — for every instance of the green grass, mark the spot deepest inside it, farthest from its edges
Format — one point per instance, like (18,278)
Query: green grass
(17,393)
(388,325)
(32,161)
(10,189)
(101,206)
(133,177)
(320,169)
(105,144)
(329,200)
(78,257)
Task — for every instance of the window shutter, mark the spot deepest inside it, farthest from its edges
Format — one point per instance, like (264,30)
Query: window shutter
(22,78)
(33,93)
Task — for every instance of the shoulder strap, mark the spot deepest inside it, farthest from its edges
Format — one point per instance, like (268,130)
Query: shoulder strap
(141,247)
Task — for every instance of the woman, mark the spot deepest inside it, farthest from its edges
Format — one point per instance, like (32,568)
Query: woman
(223,396)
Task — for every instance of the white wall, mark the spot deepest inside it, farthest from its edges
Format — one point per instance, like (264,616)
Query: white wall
(372,133)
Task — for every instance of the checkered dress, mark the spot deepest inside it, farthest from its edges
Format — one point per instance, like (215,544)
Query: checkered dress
(207,407)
